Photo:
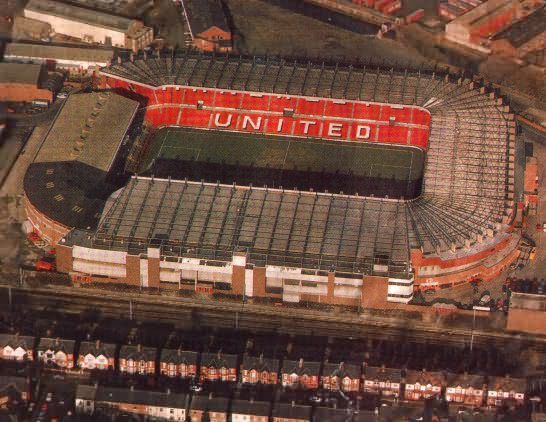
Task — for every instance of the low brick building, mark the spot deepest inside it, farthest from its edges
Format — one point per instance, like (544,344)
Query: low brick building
(209,408)
(423,384)
(465,389)
(381,380)
(16,347)
(96,355)
(56,353)
(137,360)
(259,370)
(23,82)
(250,411)
(13,391)
(291,412)
(506,391)
(178,363)
(207,25)
(146,404)
(341,376)
(300,374)
(218,367)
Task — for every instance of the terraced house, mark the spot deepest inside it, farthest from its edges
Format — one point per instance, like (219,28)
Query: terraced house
(16,347)
(178,363)
(259,370)
(137,360)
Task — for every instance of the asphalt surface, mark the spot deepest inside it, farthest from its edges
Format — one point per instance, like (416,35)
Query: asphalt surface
(250,316)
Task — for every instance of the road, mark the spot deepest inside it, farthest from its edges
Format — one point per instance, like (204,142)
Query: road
(184,311)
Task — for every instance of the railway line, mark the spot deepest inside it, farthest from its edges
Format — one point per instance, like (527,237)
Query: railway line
(186,312)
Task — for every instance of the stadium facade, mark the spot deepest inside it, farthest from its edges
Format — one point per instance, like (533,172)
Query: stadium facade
(298,245)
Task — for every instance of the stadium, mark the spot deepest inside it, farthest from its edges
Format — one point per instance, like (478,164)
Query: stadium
(299,182)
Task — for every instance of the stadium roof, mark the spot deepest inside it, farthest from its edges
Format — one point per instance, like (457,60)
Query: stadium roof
(58,52)
(67,180)
(20,73)
(89,129)
(79,14)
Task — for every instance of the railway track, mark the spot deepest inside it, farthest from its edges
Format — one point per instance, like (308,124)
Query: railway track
(185,312)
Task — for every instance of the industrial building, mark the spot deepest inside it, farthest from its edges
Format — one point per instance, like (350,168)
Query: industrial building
(75,59)
(207,25)
(294,245)
(23,82)
(89,25)
(477,27)
(522,38)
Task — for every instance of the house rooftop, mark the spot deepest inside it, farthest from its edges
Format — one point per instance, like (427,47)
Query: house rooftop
(129,351)
(97,347)
(131,396)
(260,363)
(250,407)
(292,411)
(341,370)
(300,367)
(210,403)
(56,343)
(178,356)
(424,377)
(382,373)
(219,360)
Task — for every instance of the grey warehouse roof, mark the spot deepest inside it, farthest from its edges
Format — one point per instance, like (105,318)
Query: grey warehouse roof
(20,73)
(79,14)
(58,52)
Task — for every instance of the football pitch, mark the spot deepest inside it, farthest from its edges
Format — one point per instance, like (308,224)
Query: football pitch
(304,163)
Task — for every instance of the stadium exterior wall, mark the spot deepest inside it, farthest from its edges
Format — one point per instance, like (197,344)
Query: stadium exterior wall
(290,285)
(48,229)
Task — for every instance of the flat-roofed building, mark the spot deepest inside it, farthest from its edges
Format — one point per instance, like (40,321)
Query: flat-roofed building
(73,58)
(89,25)
(23,82)
(524,37)
(472,28)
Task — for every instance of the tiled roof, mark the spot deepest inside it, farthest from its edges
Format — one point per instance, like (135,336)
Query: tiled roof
(300,367)
(178,356)
(292,411)
(137,353)
(14,341)
(260,364)
(382,373)
(246,407)
(341,370)
(210,403)
(97,348)
(425,377)
(217,360)
(56,344)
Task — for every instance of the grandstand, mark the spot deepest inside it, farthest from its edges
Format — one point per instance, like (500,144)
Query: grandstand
(301,245)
